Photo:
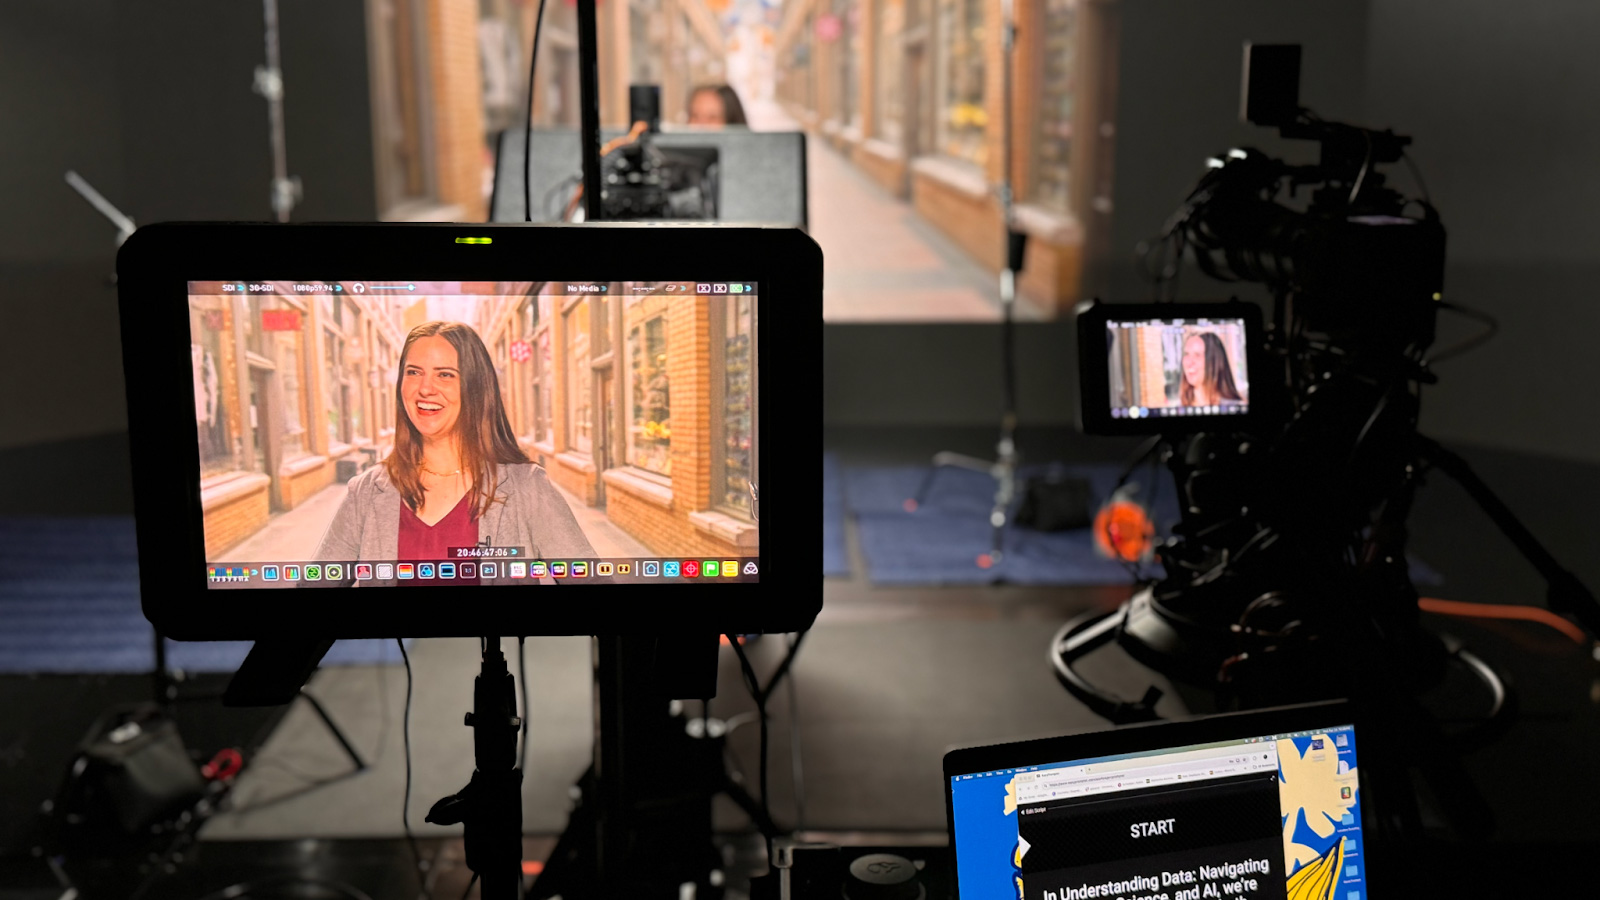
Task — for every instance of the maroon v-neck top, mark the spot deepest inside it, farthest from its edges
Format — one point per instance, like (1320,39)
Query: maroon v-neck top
(421,542)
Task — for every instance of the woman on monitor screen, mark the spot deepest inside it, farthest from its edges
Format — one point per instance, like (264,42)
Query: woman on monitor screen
(456,478)
(1207,374)
(715,106)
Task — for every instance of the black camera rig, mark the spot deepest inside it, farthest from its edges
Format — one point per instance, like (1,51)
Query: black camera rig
(1287,578)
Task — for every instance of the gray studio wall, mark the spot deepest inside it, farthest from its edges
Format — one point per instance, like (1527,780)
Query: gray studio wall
(151,101)
(1500,99)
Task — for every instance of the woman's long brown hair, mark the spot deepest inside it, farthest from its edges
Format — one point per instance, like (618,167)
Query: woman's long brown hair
(1219,374)
(482,428)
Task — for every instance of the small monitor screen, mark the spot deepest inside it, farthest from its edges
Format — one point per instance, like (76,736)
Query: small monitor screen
(1160,368)
(1269,816)
(384,433)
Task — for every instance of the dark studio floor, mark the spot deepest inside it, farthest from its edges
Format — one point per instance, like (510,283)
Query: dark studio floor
(890,677)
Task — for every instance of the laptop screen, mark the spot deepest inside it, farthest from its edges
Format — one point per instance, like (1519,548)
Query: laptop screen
(1273,816)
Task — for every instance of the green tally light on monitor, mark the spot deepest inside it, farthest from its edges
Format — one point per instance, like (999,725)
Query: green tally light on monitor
(474,240)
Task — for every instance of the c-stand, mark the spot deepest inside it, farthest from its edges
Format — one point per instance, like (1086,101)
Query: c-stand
(490,806)
(1004,467)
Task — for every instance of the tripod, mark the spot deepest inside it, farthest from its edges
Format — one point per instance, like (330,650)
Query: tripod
(1003,468)
(1382,662)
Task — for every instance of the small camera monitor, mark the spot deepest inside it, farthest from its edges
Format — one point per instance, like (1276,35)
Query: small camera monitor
(427,430)
(1168,367)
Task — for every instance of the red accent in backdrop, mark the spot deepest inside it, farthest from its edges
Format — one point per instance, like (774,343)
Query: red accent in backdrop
(280,320)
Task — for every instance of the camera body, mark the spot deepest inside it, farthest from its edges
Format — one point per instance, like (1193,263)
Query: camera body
(1295,487)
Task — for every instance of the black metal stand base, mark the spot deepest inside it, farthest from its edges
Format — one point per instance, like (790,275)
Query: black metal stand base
(1003,468)
(642,824)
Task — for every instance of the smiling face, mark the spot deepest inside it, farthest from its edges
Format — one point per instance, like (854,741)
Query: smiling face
(430,386)
(1194,361)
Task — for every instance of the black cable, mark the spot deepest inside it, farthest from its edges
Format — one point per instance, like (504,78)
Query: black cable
(1491,328)
(527,131)
(405,809)
(468,892)
(1416,174)
(754,685)
(1155,493)
(522,679)
(1366,164)
(315,780)
(783,668)
(1145,451)
(794,746)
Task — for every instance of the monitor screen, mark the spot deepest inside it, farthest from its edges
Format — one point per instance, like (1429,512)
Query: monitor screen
(384,433)
(1161,368)
(1262,817)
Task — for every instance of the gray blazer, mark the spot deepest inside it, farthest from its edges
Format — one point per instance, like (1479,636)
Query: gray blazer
(532,516)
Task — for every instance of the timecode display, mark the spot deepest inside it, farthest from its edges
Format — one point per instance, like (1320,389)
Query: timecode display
(485,552)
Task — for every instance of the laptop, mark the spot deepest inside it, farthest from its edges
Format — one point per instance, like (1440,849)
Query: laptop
(1260,805)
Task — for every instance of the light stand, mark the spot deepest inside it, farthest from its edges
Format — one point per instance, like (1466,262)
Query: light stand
(125,226)
(642,824)
(490,805)
(1004,467)
(269,84)
(589,109)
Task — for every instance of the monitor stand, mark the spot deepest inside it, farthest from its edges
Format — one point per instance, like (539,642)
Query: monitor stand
(642,824)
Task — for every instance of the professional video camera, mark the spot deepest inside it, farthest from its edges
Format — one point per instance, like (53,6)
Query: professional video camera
(1294,446)
(643,180)
(641,177)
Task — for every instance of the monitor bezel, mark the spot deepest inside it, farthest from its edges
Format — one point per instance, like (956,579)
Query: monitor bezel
(155,266)
(1094,379)
(1164,734)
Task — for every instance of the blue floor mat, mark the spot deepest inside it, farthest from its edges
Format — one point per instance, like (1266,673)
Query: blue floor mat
(940,541)
(835,555)
(69,603)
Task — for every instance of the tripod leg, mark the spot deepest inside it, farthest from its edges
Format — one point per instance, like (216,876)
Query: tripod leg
(334,729)
(941,460)
(1566,593)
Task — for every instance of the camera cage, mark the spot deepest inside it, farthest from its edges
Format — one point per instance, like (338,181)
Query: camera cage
(1094,410)
(154,267)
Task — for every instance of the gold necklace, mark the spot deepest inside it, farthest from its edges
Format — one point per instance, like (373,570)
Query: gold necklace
(440,474)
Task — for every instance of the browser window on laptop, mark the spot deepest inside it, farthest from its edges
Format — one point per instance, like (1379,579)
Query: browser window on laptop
(1266,817)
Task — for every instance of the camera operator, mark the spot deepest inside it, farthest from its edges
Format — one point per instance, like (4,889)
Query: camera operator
(716,106)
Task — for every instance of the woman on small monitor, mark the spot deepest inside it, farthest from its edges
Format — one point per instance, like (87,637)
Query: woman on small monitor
(457,477)
(716,106)
(1207,374)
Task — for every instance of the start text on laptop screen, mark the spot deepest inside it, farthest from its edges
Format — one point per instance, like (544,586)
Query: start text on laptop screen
(1276,816)
(379,433)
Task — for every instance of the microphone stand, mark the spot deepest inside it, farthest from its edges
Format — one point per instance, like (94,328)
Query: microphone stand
(1003,468)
